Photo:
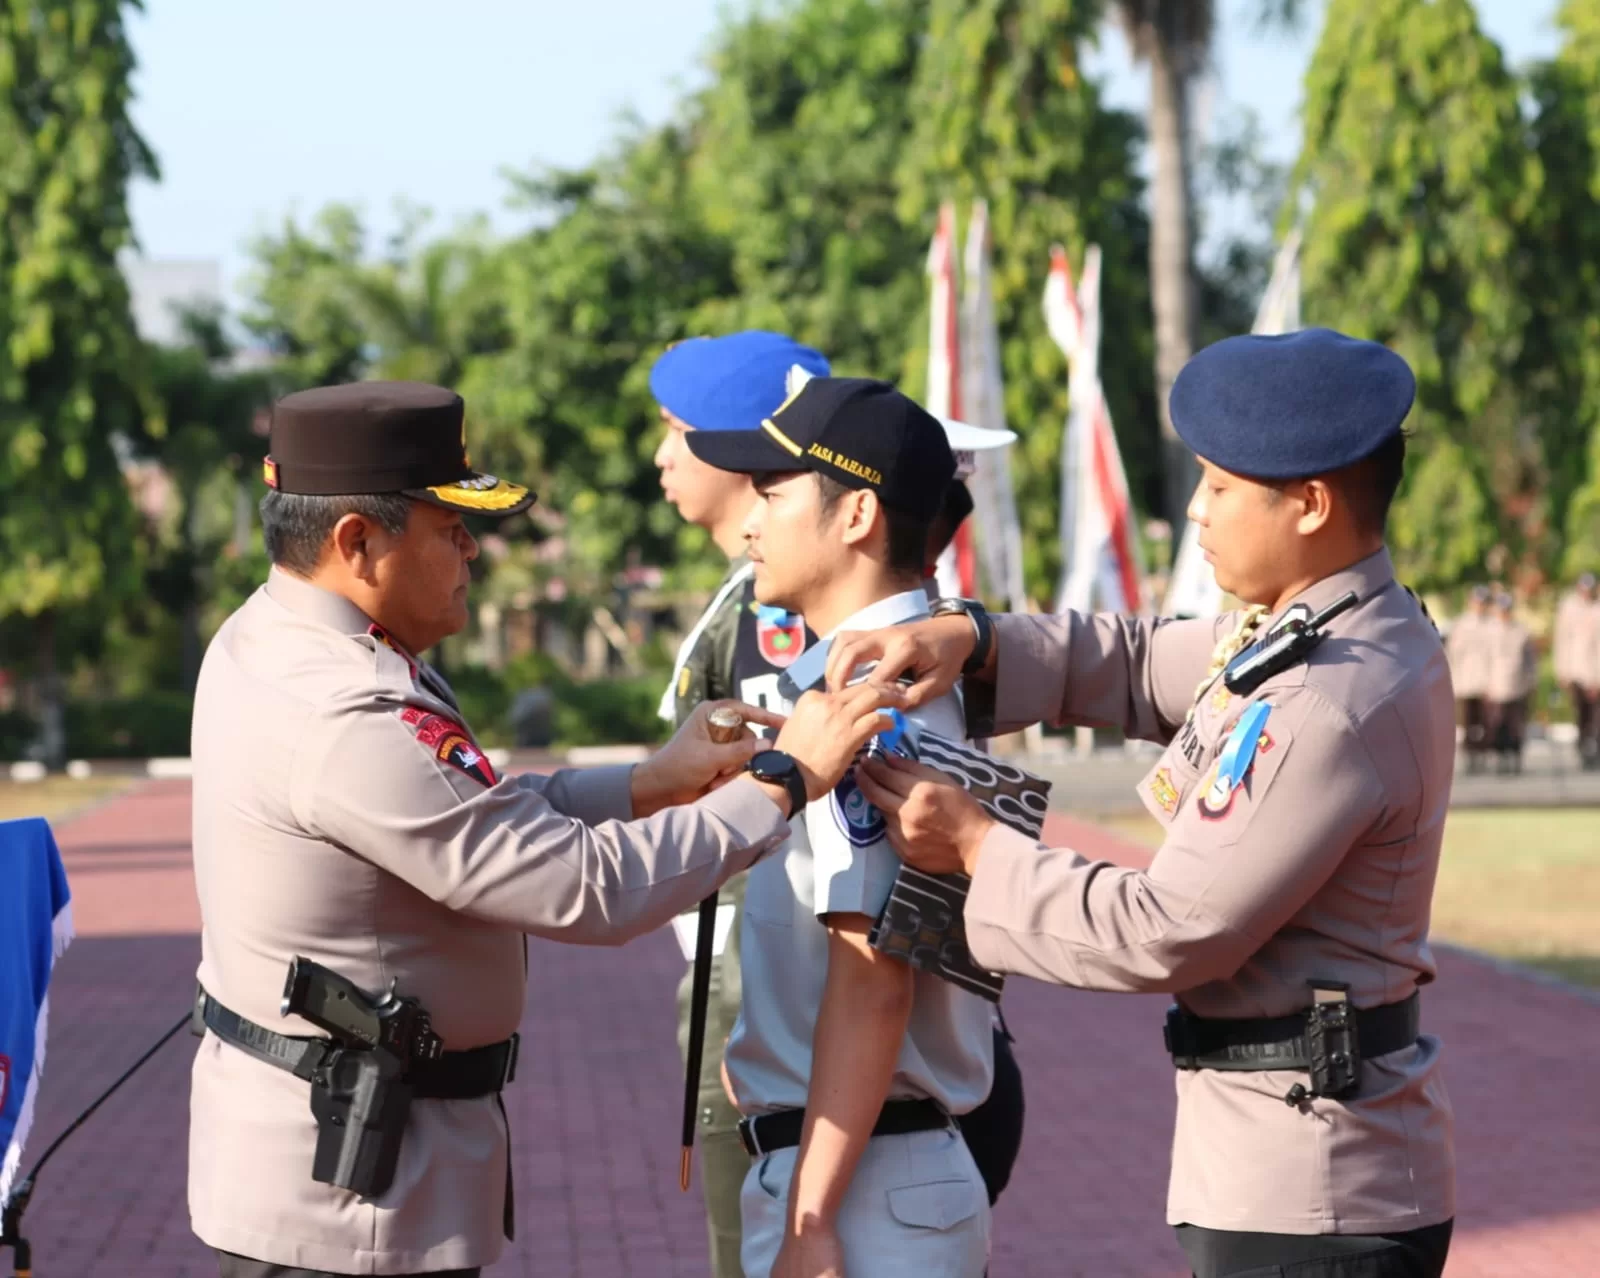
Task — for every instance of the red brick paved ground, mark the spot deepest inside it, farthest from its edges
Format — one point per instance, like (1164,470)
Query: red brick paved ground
(595,1105)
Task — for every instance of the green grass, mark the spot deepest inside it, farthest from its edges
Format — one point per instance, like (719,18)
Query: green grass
(56,798)
(1519,883)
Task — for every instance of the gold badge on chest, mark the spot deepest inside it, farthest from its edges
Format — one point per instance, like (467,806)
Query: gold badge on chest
(1163,791)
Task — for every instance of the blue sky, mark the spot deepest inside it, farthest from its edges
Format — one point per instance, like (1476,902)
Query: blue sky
(259,110)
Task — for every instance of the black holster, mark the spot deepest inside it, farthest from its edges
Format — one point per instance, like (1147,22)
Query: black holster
(361,1105)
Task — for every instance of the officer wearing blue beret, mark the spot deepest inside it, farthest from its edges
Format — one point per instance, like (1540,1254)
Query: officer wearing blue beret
(1303,791)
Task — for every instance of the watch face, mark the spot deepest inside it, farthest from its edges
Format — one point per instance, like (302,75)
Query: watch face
(771,765)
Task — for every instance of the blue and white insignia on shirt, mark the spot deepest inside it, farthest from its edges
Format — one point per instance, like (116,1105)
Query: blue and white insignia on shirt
(859,822)
(1233,765)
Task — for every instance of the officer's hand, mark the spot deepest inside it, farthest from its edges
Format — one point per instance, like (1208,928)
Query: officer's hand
(932,822)
(826,731)
(692,764)
(931,652)
(812,1250)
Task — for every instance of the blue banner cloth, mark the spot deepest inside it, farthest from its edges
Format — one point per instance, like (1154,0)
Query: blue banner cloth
(35,928)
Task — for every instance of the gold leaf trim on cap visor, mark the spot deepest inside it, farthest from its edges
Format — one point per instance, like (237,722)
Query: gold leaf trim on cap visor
(794,448)
(482,492)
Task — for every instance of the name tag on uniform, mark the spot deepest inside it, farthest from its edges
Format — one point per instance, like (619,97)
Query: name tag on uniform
(686,927)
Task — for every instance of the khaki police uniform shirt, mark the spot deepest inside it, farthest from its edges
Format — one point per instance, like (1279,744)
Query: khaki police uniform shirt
(1468,647)
(1512,665)
(343,812)
(1320,864)
(839,860)
(1576,641)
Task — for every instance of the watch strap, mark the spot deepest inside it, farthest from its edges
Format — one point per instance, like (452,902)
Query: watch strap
(982,628)
(790,778)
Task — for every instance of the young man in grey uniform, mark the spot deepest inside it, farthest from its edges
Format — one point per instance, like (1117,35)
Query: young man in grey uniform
(736,649)
(848,1064)
(1304,793)
(343,812)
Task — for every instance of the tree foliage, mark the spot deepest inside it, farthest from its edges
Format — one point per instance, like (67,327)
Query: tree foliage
(1420,184)
(796,144)
(1003,112)
(590,298)
(69,358)
(1564,335)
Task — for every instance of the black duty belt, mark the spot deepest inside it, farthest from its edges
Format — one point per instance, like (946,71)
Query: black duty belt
(478,1071)
(764,1133)
(1329,1040)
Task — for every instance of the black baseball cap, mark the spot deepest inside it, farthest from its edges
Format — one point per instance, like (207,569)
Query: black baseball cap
(383,437)
(860,432)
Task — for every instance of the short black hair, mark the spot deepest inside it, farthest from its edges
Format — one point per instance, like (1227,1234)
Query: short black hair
(296,527)
(942,531)
(1370,484)
(907,542)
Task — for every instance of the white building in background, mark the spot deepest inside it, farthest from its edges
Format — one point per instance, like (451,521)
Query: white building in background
(160,288)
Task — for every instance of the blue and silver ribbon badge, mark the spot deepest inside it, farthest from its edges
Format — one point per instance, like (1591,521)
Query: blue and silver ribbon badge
(1240,750)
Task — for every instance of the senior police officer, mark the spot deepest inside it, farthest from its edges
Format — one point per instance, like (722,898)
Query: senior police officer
(346,820)
(1303,794)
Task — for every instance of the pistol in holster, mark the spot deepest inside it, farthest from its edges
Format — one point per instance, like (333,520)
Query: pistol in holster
(360,1091)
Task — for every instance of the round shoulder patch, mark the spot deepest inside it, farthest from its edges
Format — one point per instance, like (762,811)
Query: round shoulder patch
(858,820)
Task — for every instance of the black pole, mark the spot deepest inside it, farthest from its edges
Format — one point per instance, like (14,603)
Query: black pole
(17,1202)
(699,999)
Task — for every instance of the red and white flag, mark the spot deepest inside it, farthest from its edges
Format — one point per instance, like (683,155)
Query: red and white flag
(957,570)
(994,499)
(1099,558)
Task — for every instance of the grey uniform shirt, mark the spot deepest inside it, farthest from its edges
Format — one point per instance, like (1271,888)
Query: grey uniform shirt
(1575,647)
(1511,669)
(343,811)
(1320,863)
(1468,649)
(838,859)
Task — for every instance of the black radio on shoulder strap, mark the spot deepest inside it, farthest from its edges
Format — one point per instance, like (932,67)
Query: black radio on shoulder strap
(1287,645)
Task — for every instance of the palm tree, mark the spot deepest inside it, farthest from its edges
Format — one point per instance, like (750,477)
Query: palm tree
(1174,38)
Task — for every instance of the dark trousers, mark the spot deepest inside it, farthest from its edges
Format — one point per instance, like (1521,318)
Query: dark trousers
(233,1266)
(1472,720)
(1504,727)
(993,1131)
(1221,1253)
(1586,714)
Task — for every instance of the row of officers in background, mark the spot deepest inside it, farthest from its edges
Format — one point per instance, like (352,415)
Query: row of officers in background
(1494,666)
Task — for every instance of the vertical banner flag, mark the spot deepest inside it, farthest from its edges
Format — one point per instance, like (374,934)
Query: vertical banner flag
(994,499)
(1099,562)
(35,929)
(957,568)
(1193,591)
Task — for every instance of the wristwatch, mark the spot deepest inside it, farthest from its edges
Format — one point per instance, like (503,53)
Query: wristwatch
(981,625)
(780,768)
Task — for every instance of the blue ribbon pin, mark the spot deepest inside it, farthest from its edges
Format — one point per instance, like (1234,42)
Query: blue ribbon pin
(1240,750)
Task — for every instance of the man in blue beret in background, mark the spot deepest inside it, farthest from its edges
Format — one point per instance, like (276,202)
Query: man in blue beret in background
(1303,791)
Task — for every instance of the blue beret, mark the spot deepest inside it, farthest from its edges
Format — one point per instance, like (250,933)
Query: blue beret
(732,382)
(1292,405)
